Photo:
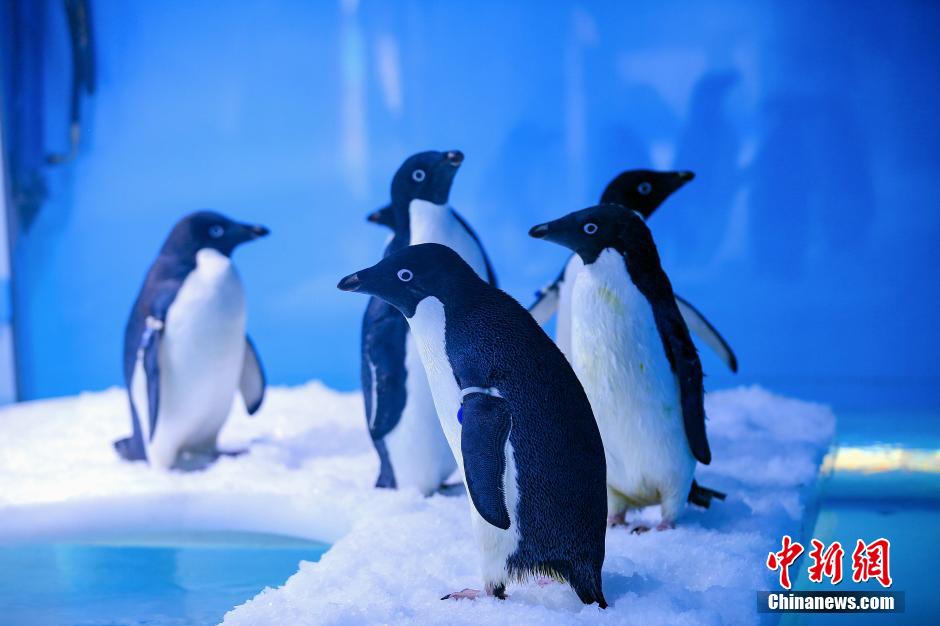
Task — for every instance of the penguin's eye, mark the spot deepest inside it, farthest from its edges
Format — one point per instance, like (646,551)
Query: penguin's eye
(418,176)
(405,275)
(644,188)
(590,228)
(216,231)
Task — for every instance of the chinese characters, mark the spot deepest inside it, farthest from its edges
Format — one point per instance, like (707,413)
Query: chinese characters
(869,561)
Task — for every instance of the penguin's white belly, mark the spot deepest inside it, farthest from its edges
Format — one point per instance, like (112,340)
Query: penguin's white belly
(563,323)
(496,544)
(436,223)
(201,357)
(419,452)
(619,357)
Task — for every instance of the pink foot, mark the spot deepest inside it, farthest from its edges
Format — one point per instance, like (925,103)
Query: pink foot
(666,526)
(619,519)
(498,591)
(545,582)
(466,594)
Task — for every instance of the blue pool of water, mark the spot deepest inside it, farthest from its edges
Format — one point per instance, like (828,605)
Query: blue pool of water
(168,580)
(883,500)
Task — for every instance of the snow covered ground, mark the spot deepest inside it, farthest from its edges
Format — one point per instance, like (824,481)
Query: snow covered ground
(309,473)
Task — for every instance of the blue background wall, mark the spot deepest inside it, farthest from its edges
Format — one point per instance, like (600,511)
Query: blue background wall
(809,237)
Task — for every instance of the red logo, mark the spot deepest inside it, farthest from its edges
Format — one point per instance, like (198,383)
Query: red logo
(869,560)
(784,559)
(826,563)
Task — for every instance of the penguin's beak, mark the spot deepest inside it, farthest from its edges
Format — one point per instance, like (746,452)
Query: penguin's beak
(555,231)
(539,231)
(257,231)
(454,157)
(685,175)
(381,216)
(350,283)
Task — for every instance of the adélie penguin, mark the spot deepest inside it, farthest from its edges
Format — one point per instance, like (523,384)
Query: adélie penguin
(398,403)
(633,353)
(185,348)
(642,191)
(515,416)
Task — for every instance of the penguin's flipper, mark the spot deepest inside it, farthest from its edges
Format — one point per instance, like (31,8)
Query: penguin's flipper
(384,374)
(132,448)
(547,298)
(252,381)
(148,364)
(546,303)
(688,370)
(486,423)
(703,329)
(490,274)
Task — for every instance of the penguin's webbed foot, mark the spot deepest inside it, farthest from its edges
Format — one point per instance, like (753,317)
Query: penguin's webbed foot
(495,590)
(618,519)
(465,594)
(664,525)
(639,529)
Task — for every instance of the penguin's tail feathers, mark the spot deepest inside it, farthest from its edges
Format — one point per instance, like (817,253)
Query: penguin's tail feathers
(130,449)
(585,579)
(703,496)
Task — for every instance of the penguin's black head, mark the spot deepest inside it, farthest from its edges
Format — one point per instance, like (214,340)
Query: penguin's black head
(405,278)
(590,231)
(644,190)
(426,176)
(384,216)
(208,229)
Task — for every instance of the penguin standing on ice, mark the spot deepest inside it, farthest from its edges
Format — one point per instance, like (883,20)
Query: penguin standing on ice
(641,191)
(185,348)
(399,409)
(633,353)
(515,416)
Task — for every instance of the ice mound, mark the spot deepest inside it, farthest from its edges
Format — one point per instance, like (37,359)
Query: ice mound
(309,473)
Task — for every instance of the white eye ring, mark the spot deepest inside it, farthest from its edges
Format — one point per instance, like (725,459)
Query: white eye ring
(644,188)
(216,231)
(418,176)
(590,228)
(405,275)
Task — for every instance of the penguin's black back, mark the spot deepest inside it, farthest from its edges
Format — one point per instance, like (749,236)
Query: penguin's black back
(492,341)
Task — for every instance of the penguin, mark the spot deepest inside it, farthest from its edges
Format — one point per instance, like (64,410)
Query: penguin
(641,191)
(515,416)
(185,348)
(399,409)
(632,351)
